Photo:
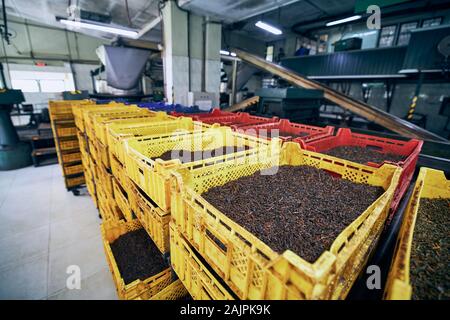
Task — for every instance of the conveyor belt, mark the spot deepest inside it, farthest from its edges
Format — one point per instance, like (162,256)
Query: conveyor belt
(362,109)
(243,104)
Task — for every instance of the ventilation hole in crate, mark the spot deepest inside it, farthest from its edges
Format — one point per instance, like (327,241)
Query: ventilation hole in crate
(225,225)
(341,247)
(375,148)
(332,173)
(262,255)
(216,240)
(243,239)
(239,260)
(257,276)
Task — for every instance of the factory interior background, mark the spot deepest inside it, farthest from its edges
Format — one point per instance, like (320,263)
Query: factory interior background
(225,150)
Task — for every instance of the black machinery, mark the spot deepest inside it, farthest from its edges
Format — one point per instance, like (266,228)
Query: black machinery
(295,104)
(13,153)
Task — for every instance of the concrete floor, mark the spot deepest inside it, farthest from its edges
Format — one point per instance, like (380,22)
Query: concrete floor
(43,230)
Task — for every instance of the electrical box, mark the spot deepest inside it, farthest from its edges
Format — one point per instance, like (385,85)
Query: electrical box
(204,100)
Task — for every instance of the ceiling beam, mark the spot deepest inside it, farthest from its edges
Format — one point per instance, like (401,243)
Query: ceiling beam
(149,26)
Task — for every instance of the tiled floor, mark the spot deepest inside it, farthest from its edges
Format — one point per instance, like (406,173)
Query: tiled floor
(43,230)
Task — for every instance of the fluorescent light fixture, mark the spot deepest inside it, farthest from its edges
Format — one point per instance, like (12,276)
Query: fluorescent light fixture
(233,54)
(225,52)
(100,27)
(352,18)
(268,27)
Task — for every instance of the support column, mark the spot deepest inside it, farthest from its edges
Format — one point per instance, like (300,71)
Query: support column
(196,51)
(213,39)
(175,54)
(191,54)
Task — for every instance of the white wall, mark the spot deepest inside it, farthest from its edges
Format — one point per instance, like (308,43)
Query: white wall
(32,42)
(82,76)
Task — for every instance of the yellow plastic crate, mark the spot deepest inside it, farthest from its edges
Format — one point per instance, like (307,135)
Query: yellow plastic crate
(62,109)
(195,276)
(93,151)
(118,112)
(106,180)
(111,230)
(430,184)
(249,266)
(84,121)
(82,142)
(153,176)
(71,157)
(107,207)
(175,291)
(85,161)
(90,184)
(153,219)
(79,110)
(119,131)
(73,182)
(120,197)
(65,130)
(103,153)
(102,122)
(74,169)
(69,144)
(118,171)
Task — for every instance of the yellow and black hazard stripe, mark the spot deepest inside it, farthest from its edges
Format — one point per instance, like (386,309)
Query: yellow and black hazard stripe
(412,108)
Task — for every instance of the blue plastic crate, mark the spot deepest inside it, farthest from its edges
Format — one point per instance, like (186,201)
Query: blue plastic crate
(161,106)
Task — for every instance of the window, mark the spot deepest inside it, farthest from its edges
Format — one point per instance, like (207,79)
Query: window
(42,81)
(323,43)
(312,47)
(387,36)
(405,32)
(269,53)
(25,85)
(52,85)
(432,22)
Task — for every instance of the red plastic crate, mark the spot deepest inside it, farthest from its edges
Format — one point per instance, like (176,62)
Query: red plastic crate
(289,129)
(237,120)
(345,137)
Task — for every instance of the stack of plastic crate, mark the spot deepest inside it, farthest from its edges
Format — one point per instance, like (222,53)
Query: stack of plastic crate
(66,141)
(86,148)
(152,179)
(115,193)
(345,137)
(430,184)
(99,175)
(247,265)
(288,131)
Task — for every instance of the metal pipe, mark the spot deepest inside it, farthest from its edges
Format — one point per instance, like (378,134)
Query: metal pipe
(203,82)
(233,83)
(362,109)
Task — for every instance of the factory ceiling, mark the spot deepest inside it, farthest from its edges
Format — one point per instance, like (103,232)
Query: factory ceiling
(138,14)
(237,15)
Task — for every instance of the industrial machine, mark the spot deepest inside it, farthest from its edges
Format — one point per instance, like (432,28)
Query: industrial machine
(295,104)
(75,95)
(13,153)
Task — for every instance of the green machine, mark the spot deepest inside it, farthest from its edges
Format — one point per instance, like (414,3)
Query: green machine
(14,154)
(295,104)
(75,95)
